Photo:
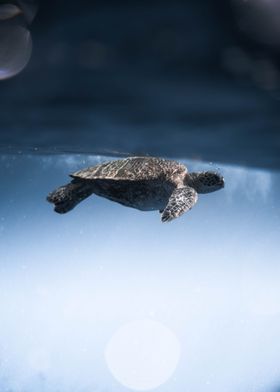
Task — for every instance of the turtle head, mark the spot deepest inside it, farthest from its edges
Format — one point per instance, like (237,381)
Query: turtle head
(206,182)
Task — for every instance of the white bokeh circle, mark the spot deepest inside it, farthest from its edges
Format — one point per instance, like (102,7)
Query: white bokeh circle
(143,355)
(15,50)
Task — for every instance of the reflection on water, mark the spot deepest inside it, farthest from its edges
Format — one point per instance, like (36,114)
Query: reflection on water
(207,285)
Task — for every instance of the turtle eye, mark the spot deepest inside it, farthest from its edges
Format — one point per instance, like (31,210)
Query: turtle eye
(216,179)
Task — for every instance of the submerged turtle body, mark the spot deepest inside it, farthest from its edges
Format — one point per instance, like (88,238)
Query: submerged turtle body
(144,183)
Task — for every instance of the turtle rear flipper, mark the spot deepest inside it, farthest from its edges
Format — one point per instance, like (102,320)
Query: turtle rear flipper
(66,197)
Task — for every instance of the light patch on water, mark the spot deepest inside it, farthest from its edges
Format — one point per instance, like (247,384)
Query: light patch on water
(142,355)
(260,287)
(253,183)
(73,162)
(38,359)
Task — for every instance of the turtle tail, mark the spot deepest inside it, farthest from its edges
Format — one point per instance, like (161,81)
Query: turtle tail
(66,197)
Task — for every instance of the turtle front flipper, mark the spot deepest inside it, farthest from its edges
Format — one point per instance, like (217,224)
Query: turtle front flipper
(181,200)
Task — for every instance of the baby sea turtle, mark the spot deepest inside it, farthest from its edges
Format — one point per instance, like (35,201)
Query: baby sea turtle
(144,183)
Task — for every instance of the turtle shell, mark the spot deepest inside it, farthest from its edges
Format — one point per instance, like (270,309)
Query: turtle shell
(135,168)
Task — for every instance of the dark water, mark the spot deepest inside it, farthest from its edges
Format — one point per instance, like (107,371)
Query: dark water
(177,79)
(108,297)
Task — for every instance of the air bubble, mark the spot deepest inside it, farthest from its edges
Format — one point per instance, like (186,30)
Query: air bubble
(8,11)
(15,38)
(15,50)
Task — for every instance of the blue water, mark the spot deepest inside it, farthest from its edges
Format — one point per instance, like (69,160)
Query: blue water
(69,282)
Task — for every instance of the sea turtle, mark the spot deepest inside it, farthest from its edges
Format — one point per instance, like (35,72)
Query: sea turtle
(144,183)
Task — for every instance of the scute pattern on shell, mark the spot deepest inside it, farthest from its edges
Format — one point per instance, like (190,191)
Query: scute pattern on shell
(181,200)
(136,168)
